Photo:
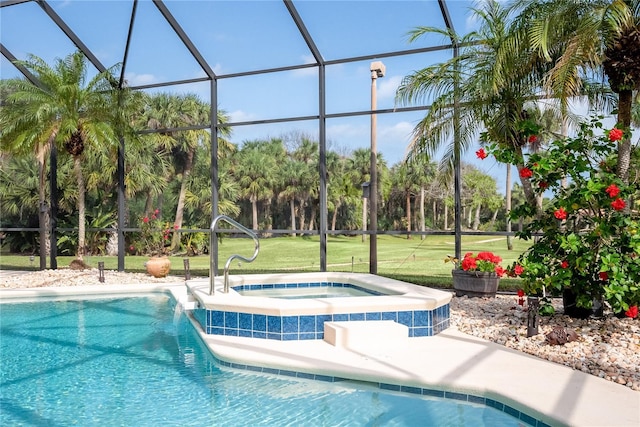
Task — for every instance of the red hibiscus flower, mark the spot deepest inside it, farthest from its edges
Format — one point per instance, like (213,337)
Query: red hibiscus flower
(533,139)
(618,204)
(632,312)
(145,219)
(560,213)
(526,173)
(543,185)
(612,190)
(518,270)
(481,154)
(564,264)
(520,293)
(603,275)
(615,134)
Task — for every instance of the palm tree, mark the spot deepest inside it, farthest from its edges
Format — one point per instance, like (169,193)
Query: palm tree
(361,167)
(490,81)
(590,36)
(292,173)
(254,172)
(65,109)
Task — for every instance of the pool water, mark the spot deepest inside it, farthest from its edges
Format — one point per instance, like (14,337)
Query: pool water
(133,361)
(301,293)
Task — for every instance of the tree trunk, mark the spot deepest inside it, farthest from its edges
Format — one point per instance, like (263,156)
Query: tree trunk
(302,212)
(334,219)
(254,212)
(446,217)
(476,219)
(422,219)
(312,219)
(493,218)
(364,218)
(507,199)
(529,194)
(408,202)
(175,239)
(624,145)
(43,212)
(77,166)
(292,207)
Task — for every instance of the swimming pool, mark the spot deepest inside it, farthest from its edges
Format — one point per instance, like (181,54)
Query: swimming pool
(423,311)
(123,361)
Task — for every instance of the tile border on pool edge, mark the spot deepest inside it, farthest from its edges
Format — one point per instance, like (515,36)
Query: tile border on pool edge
(421,323)
(305,285)
(471,398)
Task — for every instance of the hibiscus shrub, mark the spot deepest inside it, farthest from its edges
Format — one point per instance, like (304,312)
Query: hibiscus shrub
(586,240)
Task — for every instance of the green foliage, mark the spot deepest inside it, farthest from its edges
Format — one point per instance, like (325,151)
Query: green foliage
(587,238)
(154,235)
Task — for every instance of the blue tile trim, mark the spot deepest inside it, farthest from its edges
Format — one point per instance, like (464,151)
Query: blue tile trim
(523,417)
(259,286)
(421,323)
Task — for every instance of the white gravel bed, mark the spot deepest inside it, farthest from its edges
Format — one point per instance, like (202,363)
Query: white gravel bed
(608,348)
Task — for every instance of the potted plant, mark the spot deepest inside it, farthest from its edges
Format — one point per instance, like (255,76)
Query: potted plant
(154,236)
(477,275)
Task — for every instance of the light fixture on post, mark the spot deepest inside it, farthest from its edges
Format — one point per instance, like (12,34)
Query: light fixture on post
(377,70)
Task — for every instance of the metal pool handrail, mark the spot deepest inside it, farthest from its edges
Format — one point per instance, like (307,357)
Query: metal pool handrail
(212,268)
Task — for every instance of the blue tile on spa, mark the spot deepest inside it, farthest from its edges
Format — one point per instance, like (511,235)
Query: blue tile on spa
(390,315)
(217,318)
(290,324)
(422,332)
(405,318)
(245,321)
(260,322)
(230,319)
(373,316)
(356,316)
(307,323)
(274,324)
(421,318)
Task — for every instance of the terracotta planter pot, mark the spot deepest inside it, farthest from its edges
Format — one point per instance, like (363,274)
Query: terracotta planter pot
(475,283)
(158,266)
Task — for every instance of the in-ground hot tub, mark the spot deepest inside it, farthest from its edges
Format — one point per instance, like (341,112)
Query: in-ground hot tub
(279,312)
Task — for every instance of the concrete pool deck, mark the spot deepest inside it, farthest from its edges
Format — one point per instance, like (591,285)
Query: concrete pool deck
(451,360)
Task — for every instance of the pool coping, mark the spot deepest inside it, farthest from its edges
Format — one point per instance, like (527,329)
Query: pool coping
(552,393)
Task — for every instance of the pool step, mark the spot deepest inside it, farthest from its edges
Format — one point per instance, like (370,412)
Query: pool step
(365,333)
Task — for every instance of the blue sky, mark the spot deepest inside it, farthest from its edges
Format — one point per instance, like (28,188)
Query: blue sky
(237,36)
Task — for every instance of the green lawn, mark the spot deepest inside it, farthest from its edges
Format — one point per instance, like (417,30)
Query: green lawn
(414,260)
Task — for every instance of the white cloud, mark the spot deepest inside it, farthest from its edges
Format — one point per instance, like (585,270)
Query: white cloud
(140,79)
(387,86)
(240,116)
(347,132)
(394,140)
